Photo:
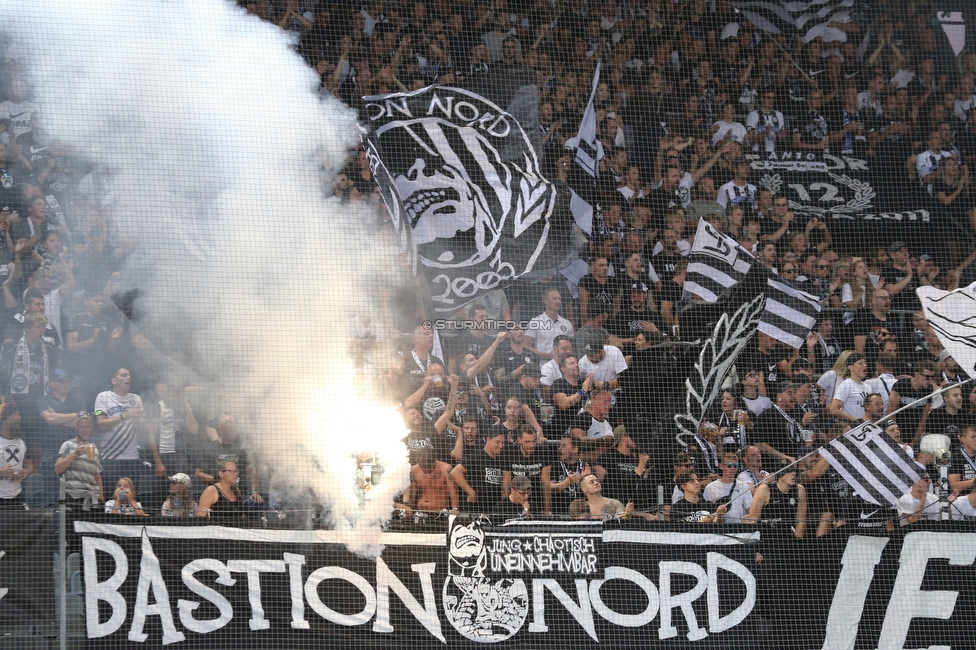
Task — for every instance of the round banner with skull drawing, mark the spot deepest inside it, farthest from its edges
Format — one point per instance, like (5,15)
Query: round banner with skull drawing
(462,183)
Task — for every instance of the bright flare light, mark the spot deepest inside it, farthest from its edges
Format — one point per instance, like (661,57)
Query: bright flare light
(351,426)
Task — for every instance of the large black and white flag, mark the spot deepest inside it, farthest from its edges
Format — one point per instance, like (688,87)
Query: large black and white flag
(876,466)
(463,186)
(806,20)
(717,262)
(582,178)
(952,314)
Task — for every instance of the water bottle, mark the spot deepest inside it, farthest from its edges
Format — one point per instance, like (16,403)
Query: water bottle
(123,496)
(176,506)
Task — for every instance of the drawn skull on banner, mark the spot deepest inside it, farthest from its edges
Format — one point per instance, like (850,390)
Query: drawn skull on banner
(470,187)
(479,608)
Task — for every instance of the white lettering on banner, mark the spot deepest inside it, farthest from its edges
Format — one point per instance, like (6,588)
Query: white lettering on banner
(253,569)
(581,611)
(151,577)
(214,597)
(426,615)
(669,601)
(625,620)
(860,557)
(907,600)
(329,614)
(107,591)
(423,606)
(717,623)
(295,564)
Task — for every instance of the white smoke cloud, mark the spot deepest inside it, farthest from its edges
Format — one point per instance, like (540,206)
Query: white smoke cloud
(215,138)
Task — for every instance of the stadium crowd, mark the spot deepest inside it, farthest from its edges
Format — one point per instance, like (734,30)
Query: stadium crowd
(571,412)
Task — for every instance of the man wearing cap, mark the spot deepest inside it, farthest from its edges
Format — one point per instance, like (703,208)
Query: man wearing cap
(593,428)
(604,362)
(516,504)
(511,358)
(738,191)
(529,393)
(899,278)
(777,433)
(60,411)
(635,317)
(847,404)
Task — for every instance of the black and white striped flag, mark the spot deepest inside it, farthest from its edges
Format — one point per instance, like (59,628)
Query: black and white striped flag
(582,178)
(799,19)
(878,469)
(717,262)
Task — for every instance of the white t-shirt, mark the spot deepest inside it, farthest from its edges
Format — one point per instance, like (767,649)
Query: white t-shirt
(852,395)
(733,194)
(12,453)
(19,116)
(737,130)
(544,329)
(882,386)
(612,364)
(120,442)
(907,505)
(741,498)
(756,405)
(828,381)
(550,373)
(963,508)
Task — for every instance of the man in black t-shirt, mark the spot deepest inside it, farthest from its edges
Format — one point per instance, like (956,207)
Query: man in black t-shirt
(949,419)
(635,318)
(529,459)
(906,391)
(516,504)
(475,340)
(626,469)
(899,278)
(962,469)
(479,474)
(511,357)
(33,303)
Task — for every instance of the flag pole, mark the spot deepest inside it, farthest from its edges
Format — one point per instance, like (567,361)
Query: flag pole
(795,64)
(887,417)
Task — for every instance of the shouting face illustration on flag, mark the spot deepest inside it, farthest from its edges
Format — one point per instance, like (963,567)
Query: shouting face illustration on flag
(461,176)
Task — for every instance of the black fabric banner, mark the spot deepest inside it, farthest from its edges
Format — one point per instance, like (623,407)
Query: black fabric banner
(664,586)
(27,546)
(463,185)
(850,193)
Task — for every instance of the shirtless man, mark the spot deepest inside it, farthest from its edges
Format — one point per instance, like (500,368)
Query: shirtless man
(431,488)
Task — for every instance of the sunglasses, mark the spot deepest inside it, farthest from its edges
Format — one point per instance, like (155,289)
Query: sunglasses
(685,465)
(736,465)
(785,271)
(823,266)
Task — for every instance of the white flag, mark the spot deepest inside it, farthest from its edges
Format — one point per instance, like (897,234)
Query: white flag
(952,314)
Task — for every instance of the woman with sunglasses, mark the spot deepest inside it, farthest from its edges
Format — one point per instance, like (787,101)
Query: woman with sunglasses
(223,499)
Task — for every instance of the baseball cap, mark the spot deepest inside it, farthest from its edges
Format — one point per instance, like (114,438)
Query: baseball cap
(897,246)
(593,344)
(619,432)
(783,386)
(924,257)
(60,374)
(180,478)
(739,160)
(637,285)
(945,354)
(531,370)
(521,483)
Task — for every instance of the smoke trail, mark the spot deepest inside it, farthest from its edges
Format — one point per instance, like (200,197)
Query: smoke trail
(214,138)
